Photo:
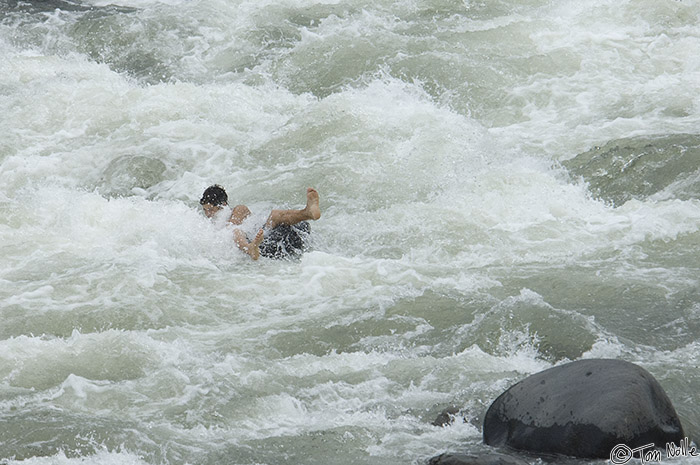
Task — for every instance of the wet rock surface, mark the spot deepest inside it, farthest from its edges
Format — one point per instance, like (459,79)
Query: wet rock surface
(639,167)
(583,409)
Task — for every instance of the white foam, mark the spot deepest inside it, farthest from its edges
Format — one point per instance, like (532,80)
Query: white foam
(442,206)
(102,457)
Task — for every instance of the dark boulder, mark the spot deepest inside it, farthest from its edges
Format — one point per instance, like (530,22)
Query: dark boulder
(448,417)
(583,409)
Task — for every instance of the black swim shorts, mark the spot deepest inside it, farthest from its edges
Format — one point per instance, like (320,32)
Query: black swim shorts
(284,241)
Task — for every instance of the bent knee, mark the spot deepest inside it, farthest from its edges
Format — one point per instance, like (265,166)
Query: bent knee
(239,213)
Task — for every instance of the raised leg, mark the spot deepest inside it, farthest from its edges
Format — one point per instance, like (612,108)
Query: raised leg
(312,211)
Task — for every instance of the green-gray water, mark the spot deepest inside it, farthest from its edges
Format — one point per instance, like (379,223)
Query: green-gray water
(506,185)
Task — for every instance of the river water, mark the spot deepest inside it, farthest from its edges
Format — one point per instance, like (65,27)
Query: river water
(506,185)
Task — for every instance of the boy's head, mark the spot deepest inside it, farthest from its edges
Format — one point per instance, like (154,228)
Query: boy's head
(213,200)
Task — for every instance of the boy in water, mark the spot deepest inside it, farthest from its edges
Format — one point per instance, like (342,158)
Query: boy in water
(281,223)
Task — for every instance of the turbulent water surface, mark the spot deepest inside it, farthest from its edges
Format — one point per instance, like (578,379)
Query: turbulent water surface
(506,185)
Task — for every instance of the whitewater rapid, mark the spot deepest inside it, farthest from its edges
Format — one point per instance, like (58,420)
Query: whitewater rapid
(467,239)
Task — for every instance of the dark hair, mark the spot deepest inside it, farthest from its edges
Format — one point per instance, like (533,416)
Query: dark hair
(215,195)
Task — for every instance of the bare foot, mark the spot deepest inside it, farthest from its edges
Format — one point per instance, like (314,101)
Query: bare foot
(253,248)
(313,208)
